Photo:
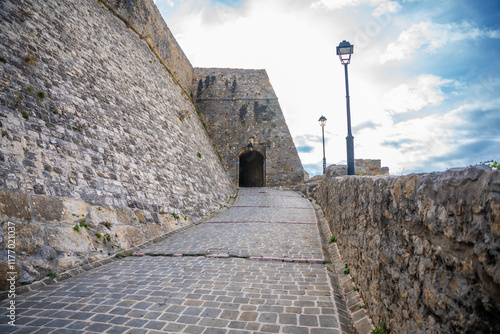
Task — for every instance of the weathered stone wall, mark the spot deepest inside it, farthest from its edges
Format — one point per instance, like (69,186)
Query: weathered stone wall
(94,128)
(424,249)
(239,107)
(51,235)
(144,18)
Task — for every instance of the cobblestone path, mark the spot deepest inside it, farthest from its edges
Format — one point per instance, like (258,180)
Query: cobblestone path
(255,268)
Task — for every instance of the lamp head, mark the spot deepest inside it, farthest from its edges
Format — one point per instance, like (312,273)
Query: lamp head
(322,120)
(344,51)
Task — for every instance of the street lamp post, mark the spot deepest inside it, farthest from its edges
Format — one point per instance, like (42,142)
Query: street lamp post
(322,122)
(344,51)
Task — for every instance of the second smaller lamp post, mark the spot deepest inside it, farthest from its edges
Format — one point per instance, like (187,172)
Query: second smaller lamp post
(322,122)
(344,51)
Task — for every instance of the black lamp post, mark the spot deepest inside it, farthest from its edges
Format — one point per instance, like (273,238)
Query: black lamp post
(344,51)
(322,122)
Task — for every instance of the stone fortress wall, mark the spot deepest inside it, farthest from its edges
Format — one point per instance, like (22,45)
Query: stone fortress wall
(143,17)
(423,249)
(101,146)
(240,107)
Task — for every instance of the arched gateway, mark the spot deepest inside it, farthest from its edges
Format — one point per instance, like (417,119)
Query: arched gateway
(239,107)
(251,171)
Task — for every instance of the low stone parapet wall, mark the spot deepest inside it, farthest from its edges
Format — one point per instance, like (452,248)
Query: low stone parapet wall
(424,249)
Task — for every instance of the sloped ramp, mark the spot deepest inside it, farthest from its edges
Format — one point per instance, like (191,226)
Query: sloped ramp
(249,275)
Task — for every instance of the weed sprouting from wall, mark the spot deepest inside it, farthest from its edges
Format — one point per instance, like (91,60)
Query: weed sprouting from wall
(382,329)
(183,114)
(19,100)
(30,59)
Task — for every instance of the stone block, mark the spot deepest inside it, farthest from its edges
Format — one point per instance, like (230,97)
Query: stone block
(138,217)
(186,220)
(47,253)
(146,231)
(364,326)
(74,210)
(66,239)
(168,222)
(27,238)
(14,205)
(68,262)
(37,269)
(123,216)
(152,231)
(47,209)
(129,236)
(114,216)
(368,164)
(336,170)
(495,215)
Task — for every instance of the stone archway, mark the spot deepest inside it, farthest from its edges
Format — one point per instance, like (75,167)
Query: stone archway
(251,169)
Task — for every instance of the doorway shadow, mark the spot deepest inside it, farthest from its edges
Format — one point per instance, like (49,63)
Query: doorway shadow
(251,169)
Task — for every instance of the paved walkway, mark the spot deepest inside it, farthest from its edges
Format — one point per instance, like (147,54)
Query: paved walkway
(255,268)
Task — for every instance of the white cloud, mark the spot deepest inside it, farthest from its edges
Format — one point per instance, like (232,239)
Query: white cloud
(434,36)
(421,138)
(408,41)
(386,7)
(382,6)
(424,91)
(333,4)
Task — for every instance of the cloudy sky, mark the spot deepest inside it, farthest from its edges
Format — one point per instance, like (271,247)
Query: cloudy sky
(424,78)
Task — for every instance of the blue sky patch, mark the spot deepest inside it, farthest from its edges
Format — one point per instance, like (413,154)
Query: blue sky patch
(305,149)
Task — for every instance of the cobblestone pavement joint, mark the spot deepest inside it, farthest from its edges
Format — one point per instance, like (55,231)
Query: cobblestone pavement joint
(258,267)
